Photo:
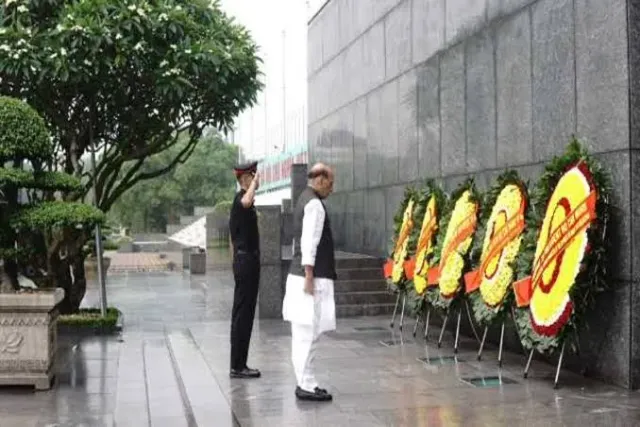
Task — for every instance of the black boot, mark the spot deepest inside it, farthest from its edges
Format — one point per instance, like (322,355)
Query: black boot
(318,395)
(244,373)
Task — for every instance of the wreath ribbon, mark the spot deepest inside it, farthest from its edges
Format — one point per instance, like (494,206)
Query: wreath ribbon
(505,235)
(410,267)
(466,229)
(387,269)
(561,237)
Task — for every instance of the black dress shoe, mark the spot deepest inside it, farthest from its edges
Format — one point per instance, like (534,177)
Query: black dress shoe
(244,373)
(318,395)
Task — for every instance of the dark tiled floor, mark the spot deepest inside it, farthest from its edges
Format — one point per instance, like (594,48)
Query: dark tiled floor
(169,368)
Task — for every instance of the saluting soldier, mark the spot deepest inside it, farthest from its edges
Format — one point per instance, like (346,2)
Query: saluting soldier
(243,226)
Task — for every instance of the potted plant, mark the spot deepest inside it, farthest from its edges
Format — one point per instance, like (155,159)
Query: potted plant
(41,235)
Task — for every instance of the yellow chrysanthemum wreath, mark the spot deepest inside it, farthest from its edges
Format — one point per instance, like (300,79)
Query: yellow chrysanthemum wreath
(424,250)
(452,252)
(499,236)
(401,245)
(430,201)
(561,292)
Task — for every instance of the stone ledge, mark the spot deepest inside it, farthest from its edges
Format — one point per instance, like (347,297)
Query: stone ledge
(31,301)
(39,381)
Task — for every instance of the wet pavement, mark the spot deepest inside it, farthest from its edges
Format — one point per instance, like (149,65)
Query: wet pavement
(169,368)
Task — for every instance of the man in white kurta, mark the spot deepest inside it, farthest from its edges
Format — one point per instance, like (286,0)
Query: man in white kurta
(309,303)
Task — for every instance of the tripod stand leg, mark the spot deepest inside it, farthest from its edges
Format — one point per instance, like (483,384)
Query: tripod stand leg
(404,301)
(455,345)
(395,310)
(555,382)
(484,337)
(444,325)
(501,343)
(426,324)
(526,368)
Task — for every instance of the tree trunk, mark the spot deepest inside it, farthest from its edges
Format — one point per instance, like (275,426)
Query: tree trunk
(6,284)
(60,276)
(79,283)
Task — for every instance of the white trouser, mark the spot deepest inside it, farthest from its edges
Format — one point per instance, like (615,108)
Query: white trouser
(304,341)
(310,316)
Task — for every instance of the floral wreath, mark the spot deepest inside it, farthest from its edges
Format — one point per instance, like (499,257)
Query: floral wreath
(431,200)
(499,235)
(458,216)
(401,244)
(576,186)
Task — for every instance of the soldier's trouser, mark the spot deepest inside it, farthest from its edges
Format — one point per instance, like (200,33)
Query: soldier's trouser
(246,273)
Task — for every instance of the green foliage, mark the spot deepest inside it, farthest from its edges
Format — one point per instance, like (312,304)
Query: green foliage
(205,179)
(47,215)
(132,75)
(485,315)
(91,317)
(110,245)
(21,253)
(43,180)
(223,206)
(23,133)
(592,278)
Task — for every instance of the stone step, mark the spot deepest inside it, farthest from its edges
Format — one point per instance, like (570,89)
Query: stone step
(352,263)
(202,393)
(360,285)
(358,310)
(360,274)
(364,298)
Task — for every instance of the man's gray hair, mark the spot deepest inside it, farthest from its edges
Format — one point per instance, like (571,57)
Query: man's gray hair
(317,170)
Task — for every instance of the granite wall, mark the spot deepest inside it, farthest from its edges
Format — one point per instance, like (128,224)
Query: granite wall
(401,90)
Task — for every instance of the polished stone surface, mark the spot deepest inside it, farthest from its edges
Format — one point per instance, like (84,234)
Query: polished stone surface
(602,73)
(513,92)
(496,84)
(170,368)
(553,76)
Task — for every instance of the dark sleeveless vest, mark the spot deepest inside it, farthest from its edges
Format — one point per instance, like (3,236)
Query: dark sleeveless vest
(325,265)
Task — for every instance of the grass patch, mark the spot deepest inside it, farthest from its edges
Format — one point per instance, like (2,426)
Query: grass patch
(91,318)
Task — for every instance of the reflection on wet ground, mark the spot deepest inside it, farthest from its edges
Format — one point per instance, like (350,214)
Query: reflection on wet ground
(170,368)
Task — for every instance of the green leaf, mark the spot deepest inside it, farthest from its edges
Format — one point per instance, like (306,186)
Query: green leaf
(23,133)
(47,215)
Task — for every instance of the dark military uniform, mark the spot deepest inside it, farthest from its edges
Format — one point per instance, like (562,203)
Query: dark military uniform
(243,226)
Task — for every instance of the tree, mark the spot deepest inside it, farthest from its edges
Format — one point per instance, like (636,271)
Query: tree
(134,76)
(205,179)
(46,230)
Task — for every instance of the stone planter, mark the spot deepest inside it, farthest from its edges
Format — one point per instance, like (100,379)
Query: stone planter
(91,267)
(28,337)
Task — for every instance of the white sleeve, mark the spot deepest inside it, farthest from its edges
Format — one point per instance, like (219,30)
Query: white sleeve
(312,224)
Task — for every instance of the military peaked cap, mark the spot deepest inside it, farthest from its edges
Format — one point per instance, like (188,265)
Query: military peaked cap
(241,169)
